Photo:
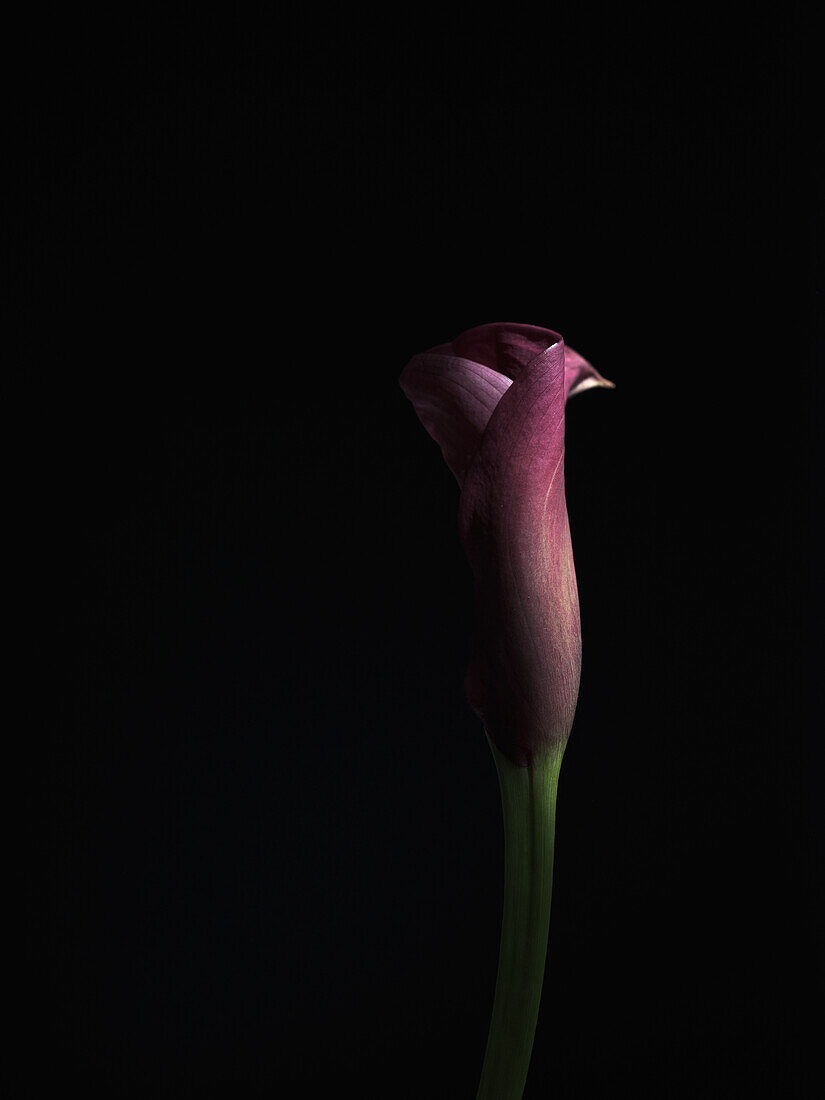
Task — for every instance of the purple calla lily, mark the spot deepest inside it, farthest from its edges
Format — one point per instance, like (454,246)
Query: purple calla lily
(494,400)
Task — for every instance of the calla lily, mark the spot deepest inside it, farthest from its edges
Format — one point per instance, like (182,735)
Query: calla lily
(494,400)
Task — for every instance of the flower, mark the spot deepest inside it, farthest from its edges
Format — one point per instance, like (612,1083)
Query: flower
(494,400)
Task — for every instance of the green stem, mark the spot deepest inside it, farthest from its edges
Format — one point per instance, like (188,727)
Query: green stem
(528,798)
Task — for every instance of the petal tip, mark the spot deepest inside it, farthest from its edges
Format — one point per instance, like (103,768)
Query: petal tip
(590,382)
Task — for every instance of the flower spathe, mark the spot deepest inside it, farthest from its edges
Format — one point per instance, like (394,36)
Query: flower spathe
(494,400)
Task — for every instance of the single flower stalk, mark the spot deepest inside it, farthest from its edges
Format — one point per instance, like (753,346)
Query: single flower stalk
(494,400)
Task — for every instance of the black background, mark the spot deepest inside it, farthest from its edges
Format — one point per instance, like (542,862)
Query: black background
(273,852)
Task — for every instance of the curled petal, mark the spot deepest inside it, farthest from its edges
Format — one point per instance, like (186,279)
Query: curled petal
(454,399)
(504,348)
(455,387)
(494,400)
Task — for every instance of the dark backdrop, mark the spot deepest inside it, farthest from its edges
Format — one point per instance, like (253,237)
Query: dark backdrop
(273,857)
